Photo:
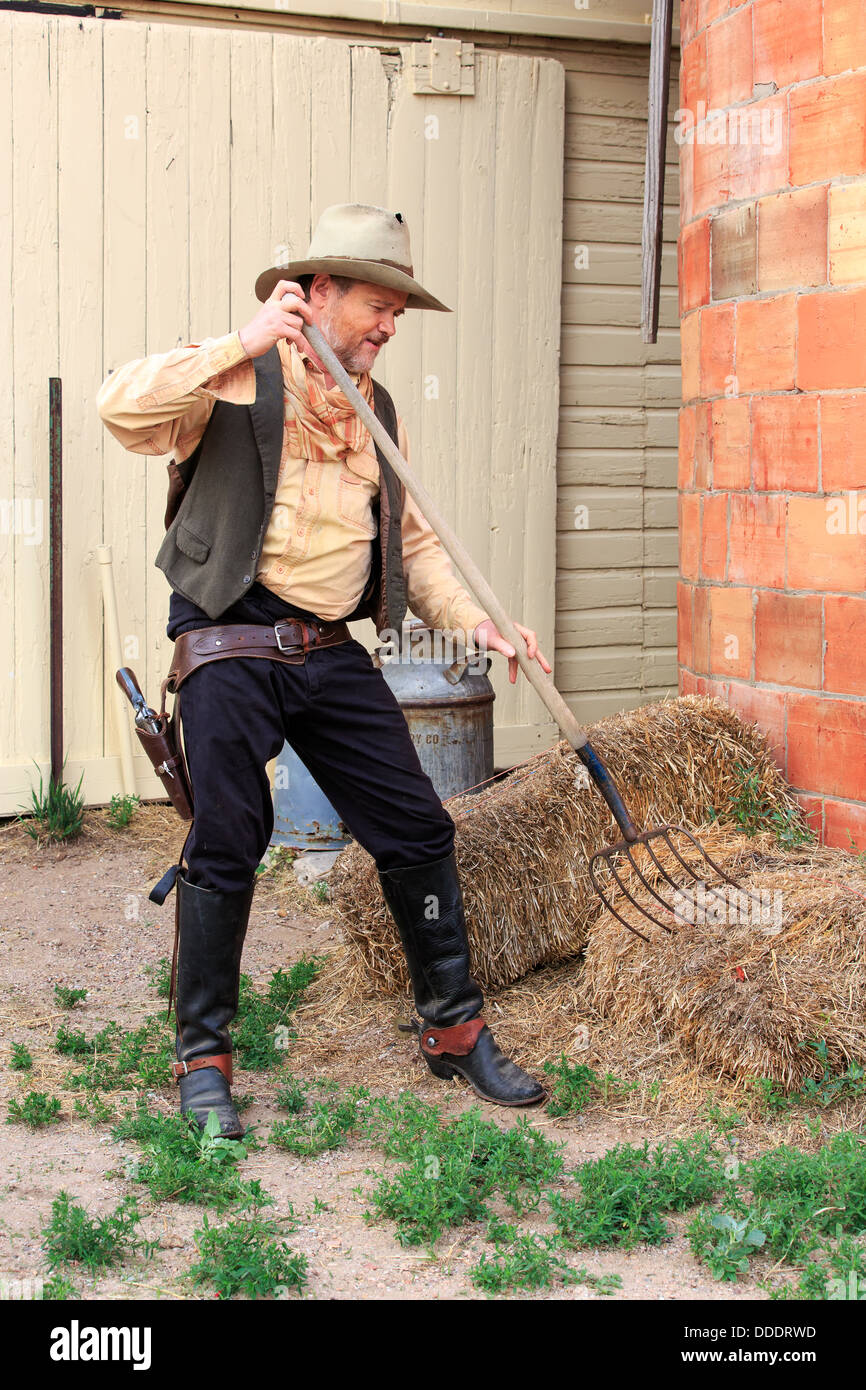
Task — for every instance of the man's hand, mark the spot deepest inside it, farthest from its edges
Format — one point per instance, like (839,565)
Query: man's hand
(487,635)
(278,318)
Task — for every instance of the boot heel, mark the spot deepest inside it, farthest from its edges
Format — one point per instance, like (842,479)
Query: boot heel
(440,1069)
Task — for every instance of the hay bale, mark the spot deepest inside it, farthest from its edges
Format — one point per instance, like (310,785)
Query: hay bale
(523,844)
(746,997)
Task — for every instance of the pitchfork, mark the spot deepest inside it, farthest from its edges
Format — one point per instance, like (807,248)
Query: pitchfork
(688,878)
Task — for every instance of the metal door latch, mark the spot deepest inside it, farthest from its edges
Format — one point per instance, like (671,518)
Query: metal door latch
(443,67)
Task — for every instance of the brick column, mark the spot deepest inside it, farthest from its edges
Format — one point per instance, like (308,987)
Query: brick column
(772,444)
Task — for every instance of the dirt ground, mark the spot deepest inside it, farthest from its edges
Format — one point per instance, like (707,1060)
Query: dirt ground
(80,916)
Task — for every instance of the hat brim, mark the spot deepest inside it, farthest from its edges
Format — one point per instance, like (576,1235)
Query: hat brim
(371,271)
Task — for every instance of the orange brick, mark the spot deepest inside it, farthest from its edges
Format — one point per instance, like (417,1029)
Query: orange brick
(688,22)
(788,639)
(717,349)
(687,183)
(689,505)
(823,550)
(701,630)
(845,825)
(729,60)
(695,265)
(693,75)
(843,441)
(828,129)
(785,443)
(714,535)
(844,35)
(711,10)
(831,335)
(719,689)
(686,470)
(792,239)
(845,645)
(758,156)
(756,553)
(813,810)
(703,446)
(827,745)
(787,40)
(731,643)
(690,350)
(685,601)
(847,232)
(735,252)
(766,345)
(711,174)
(766,708)
(688,684)
(731,462)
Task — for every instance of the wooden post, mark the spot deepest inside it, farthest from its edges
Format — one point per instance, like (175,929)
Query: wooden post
(55,573)
(654,182)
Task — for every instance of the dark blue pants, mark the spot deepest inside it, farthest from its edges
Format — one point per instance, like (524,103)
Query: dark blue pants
(345,725)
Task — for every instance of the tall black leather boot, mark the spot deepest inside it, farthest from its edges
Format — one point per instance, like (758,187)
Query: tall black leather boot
(427,905)
(211,931)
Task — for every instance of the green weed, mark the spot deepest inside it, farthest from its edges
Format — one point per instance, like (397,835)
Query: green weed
(180,1163)
(121,810)
(59,1289)
(292,1096)
(624,1194)
(575,1087)
(35,1110)
(452,1174)
(752,811)
(531,1262)
(326,1125)
(796,1200)
(115,1059)
(246,1257)
(54,814)
(724,1121)
(400,1127)
(261,1030)
(822,1091)
(21,1059)
(67,998)
(838,1273)
(73,1237)
(724,1240)
(159,976)
(92,1108)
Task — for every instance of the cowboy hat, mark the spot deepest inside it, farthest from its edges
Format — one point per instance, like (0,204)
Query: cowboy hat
(362,242)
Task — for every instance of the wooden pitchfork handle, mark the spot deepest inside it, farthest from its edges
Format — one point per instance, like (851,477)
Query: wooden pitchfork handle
(541,682)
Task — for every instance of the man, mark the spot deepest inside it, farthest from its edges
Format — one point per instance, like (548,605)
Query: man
(283,521)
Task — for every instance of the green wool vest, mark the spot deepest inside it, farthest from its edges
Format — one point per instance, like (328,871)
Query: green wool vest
(220,502)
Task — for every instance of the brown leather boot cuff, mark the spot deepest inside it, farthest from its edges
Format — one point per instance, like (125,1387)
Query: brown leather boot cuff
(457,1041)
(222,1061)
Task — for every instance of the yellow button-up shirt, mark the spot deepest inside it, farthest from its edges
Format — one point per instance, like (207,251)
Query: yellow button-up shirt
(316,552)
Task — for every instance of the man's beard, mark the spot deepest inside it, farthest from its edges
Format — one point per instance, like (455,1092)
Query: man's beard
(355,356)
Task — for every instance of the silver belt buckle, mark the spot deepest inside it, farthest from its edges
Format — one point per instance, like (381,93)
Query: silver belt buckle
(292,647)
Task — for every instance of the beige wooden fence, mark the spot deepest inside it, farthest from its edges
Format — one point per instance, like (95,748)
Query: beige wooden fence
(150,171)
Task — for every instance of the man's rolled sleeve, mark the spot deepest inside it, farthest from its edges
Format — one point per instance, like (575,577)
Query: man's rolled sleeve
(162,403)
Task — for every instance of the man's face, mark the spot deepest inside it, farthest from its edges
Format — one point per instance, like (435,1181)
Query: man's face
(359,322)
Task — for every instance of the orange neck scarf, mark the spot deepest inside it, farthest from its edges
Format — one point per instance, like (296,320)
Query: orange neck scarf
(321,424)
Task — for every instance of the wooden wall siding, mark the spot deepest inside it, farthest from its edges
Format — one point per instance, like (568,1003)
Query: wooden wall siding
(154,170)
(616,580)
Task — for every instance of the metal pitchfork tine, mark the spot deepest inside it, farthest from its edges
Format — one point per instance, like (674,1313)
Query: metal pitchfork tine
(542,683)
(611,856)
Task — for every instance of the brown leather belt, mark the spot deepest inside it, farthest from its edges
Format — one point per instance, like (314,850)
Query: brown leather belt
(288,640)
